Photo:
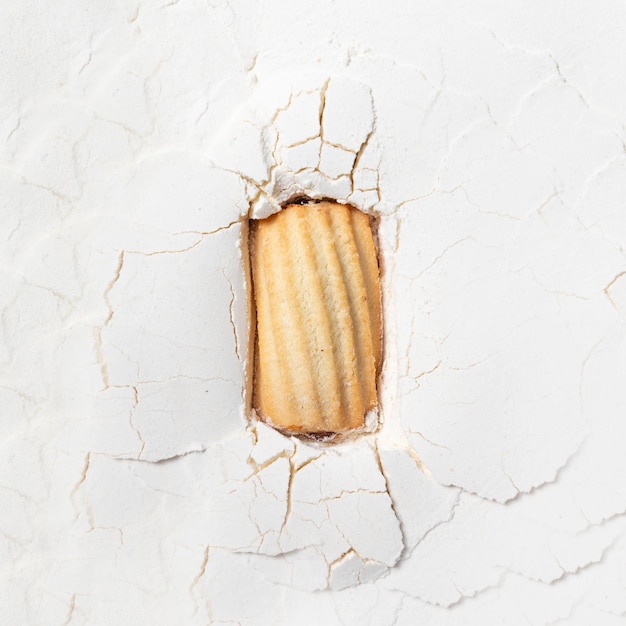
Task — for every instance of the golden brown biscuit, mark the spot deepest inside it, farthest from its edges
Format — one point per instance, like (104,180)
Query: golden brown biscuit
(318,310)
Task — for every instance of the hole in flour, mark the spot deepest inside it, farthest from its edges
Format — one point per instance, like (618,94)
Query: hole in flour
(316,319)
(300,200)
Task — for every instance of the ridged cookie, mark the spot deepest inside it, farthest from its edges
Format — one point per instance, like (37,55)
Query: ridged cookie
(318,311)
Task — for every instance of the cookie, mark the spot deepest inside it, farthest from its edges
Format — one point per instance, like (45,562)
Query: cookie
(318,314)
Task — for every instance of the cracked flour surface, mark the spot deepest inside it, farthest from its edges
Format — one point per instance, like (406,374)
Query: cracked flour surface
(491,144)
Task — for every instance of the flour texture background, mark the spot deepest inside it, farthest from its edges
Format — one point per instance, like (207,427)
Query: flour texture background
(138,138)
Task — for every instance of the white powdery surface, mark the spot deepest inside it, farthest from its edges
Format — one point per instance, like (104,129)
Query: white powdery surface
(137,142)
